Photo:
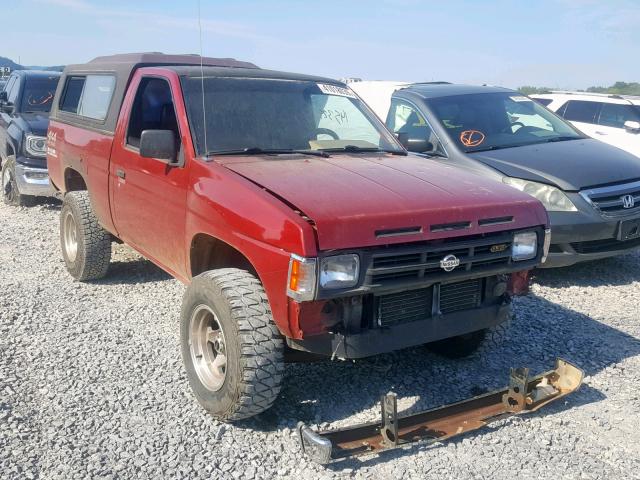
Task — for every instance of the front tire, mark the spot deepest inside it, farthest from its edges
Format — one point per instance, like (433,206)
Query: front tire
(86,246)
(232,350)
(10,193)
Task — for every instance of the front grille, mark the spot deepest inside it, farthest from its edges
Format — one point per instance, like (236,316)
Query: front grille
(460,296)
(610,201)
(607,245)
(416,305)
(403,307)
(421,262)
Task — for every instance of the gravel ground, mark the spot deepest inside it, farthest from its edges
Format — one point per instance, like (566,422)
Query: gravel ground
(92,384)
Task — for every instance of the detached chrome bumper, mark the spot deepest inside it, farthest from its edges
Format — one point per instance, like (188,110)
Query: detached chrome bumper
(523,395)
(33,181)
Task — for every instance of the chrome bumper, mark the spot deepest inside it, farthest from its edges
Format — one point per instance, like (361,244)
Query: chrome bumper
(523,395)
(33,181)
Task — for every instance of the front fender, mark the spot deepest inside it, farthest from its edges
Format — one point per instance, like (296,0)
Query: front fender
(230,208)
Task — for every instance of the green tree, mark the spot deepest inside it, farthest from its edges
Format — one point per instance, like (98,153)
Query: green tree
(529,90)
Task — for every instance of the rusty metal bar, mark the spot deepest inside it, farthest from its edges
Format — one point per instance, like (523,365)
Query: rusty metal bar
(523,395)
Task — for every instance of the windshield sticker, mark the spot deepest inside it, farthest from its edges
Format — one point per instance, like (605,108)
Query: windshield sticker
(336,90)
(520,98)
(339,116)
(471,138)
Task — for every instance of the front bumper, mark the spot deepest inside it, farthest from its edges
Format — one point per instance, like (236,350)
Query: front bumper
(375,341)
(33,181)
(523,395)
(585,235)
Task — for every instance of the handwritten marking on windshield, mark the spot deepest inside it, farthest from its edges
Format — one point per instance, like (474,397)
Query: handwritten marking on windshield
(471,138)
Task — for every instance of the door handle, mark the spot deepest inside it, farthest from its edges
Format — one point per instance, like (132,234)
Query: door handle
(120,173)
(601,133)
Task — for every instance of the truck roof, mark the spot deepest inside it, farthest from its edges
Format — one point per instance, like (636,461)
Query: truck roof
(194,71)
(158,58)
(123,66)
(37,73)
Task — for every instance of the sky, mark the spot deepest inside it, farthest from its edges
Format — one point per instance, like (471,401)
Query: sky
(552,43)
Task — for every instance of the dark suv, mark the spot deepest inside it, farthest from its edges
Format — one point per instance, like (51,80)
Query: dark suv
(24,117)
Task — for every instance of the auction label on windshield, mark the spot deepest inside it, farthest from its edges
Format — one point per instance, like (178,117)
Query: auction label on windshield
(335,90)
(520,98)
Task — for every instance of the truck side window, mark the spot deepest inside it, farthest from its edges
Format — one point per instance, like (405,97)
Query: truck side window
(96,96)
(152,109)
(72,93)
(12,95)
(9,85)
(404,118)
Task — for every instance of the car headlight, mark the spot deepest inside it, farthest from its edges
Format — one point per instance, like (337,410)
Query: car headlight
(340,271)
(301,282)
(525,246)
(35,145)
(553,199)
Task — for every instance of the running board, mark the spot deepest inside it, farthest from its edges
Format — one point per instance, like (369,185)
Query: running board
(523,395)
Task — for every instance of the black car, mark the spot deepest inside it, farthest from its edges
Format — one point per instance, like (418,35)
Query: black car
(24,117)
(591,190)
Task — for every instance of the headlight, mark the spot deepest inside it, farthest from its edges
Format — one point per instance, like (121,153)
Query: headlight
(553,199)
(525,246)
(301,283)
(35,146)
(340,271)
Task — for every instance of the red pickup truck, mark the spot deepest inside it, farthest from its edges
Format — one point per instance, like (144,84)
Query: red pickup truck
(295,217)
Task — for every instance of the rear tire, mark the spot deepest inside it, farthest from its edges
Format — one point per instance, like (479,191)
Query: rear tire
(10,193)
(86,246)
(232,350)
(460,346)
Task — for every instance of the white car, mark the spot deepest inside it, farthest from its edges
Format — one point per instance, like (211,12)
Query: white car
(613,119)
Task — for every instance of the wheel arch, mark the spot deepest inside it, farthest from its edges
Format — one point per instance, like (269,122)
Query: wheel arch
(209,253)
(73,180)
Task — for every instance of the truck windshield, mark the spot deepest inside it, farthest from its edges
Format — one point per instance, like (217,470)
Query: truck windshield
(38,94)
(491,121)
(248,114)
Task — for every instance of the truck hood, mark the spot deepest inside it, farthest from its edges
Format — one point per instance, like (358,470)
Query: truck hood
(365,200)
(36,123)
(572,165)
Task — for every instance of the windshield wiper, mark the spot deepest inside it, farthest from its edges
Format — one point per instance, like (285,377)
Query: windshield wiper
(492,147)
(562,139)
(356,149)
(268,151)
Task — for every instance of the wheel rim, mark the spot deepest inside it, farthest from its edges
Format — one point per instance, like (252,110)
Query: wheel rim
(208,348)
(70,236)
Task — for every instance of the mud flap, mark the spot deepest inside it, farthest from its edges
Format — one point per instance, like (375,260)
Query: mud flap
(523,395)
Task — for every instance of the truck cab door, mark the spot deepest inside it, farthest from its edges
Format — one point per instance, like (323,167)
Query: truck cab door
(148,195)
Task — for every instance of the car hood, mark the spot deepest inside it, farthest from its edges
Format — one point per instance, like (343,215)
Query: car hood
(571,165)
(364,200)
(36,123)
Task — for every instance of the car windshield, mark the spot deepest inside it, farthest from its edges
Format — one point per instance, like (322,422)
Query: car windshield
(490,121)
(38,94)
(262,115)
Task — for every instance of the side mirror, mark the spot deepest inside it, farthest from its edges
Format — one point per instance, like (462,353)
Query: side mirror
(416,145)
(631,126)
(6,107)
(3,96)
(158,144)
